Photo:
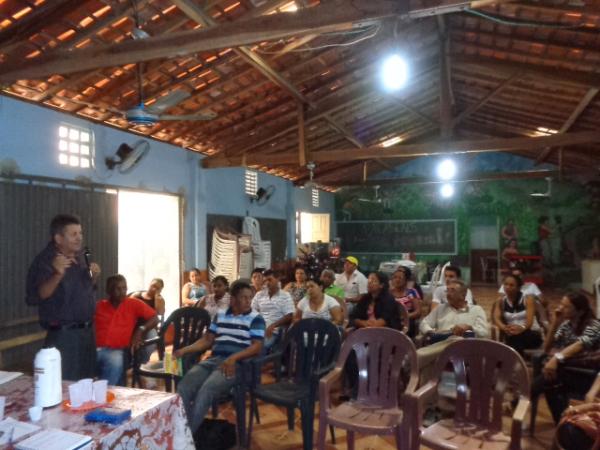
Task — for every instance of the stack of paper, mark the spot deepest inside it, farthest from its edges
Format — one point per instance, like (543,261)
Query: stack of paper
(5,377)
(53,439)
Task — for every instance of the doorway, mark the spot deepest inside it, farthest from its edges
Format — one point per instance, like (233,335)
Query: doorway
(149,242)
(484,250)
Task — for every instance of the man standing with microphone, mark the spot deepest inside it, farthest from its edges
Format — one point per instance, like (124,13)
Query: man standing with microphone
(61,281)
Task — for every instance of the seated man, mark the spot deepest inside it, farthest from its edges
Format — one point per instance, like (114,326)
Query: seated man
(439,294)
(456,317)
(236,333)
(276,306)
(116,332)
(447,322)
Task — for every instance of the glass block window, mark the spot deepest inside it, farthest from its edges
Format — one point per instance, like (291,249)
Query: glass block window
(251,182)
(75,146)
(315,197)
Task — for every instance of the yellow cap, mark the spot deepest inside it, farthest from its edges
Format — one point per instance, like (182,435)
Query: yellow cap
(352,259)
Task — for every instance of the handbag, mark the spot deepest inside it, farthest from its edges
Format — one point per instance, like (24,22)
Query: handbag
(588,422)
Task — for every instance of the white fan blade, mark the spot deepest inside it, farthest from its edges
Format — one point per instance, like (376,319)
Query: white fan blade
(202,116)
(168,101)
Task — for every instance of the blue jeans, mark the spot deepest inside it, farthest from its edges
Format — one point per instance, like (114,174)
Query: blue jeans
(200,386)
(111,364)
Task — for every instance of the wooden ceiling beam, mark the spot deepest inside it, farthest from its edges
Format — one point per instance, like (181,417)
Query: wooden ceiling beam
(195,13)
(468,178)
(326,107)
(508,67)
(35,21)
(474,107)
(414,150)
(581,106)
(327,17)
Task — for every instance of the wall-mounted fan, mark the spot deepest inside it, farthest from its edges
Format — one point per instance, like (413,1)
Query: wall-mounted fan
(263,195)
(548,192)
(150,115)
(129,157)
(375,199)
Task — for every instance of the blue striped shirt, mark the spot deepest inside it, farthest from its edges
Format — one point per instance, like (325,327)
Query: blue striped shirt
(236,333)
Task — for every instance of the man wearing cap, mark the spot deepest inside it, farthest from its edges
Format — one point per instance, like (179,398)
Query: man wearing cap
(352,282)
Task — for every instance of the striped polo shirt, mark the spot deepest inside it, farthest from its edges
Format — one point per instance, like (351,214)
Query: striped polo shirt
(235,333)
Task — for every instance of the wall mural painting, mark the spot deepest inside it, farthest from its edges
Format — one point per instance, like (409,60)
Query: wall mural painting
(563,228)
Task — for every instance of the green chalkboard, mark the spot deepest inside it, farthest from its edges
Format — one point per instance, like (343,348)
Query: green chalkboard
(433,237)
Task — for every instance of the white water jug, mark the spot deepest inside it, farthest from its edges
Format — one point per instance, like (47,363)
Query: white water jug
(47,377)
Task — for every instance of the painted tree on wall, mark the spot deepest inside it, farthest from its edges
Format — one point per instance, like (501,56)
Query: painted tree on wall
(570,210)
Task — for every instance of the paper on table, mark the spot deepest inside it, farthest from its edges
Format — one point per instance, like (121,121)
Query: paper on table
(20,429)
(53,439)
(5,377)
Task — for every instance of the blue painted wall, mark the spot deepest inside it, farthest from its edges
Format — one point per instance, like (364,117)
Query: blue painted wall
(28,135)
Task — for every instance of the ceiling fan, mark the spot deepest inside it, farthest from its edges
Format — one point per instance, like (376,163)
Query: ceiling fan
(548,192)
(311,173)
(150,115)
(375,199)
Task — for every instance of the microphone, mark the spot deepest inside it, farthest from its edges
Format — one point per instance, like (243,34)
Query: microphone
(87,255)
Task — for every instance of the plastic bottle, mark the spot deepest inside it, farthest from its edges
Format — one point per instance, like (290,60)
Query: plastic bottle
(47,377)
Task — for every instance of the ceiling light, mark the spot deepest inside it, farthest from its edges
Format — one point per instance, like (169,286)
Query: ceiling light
(394,72)
(391,141)
(446,170)
(447,190)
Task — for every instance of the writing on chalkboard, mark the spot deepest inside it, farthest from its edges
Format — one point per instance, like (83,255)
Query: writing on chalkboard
(434,237)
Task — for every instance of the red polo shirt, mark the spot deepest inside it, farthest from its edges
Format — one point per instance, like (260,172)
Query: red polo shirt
(115,326)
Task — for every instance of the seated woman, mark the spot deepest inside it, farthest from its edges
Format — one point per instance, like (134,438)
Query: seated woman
(219,299)
(514,315)
(297,289)
(407,296)
(194,290)
(153,298)
(318,305)
(376,308)
(116,331)
(573,330)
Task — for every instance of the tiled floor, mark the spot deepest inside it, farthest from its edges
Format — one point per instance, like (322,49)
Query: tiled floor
(272,433)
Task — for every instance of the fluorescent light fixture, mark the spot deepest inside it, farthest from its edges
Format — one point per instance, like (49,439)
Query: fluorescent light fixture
(447,190)
(394,72)
(446,169)
(391,141)
(543,131)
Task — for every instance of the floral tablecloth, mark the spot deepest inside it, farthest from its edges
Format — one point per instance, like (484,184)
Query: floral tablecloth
(157,421)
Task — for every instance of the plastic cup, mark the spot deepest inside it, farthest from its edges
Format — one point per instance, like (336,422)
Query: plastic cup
(100,388)
(87,389)
(2,404)
(35,413)
(76,395)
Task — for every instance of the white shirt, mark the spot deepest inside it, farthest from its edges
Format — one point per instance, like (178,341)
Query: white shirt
(324,311)
(445,317)
(354,286)
(526,289)
(273,308)
(439,295)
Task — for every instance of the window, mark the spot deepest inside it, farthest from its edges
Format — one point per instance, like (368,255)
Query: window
(315,197)
(75,146)
(251,182)
(313,227)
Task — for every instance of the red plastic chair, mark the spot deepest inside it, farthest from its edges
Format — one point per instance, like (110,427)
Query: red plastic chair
(483,370)
(381,354)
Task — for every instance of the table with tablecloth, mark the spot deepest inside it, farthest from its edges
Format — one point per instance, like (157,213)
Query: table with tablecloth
(158,419)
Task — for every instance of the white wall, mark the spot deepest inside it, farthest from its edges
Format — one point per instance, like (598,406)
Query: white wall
(28,135)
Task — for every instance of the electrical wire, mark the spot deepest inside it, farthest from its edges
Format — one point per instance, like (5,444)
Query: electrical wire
(343,44)
(521,23)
